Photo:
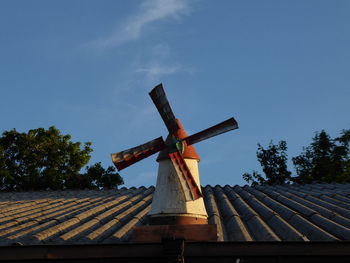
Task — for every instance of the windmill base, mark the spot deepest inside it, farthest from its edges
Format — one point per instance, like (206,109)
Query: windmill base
(177,220)
(156,233)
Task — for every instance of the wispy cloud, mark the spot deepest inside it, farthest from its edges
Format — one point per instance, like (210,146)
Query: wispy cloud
(149,12)
(160,63)
(156,70)
(147,65)
(153,62)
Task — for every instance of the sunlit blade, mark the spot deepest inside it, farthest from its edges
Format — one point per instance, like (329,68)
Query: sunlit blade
(191,189)
(128,157)
(159,99)
(217,129)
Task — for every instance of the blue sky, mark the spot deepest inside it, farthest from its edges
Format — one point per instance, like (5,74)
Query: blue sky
(281,68)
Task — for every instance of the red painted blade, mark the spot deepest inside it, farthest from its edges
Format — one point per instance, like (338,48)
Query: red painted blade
(217,129)
(128,157)
(178,161)
(159,99)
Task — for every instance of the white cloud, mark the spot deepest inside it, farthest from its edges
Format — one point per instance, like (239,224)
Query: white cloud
(156,70)
(161,50)
(160,62)
(149,12)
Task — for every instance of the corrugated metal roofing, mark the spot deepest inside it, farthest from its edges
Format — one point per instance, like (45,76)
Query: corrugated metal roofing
(313,212)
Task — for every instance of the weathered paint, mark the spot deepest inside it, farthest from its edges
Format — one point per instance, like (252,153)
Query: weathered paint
(169,198)
(160,100)
(215,130)
(128,157)
(186,179)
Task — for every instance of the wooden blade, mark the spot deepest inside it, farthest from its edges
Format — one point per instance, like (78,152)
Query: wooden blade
(179,162)
(128,157)
(217,129)
(159,99)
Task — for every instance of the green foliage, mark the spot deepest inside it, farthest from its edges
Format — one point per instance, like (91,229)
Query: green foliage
(45,159)
(274,164)
(4,173)
(254,179)
(325,160)
(96,177)
(344,141)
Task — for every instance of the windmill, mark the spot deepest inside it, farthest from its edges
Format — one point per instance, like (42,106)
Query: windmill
(178,198)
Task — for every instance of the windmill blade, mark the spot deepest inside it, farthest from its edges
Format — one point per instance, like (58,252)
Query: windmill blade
(217,129)
(159,99)
(181,166)
(128,157)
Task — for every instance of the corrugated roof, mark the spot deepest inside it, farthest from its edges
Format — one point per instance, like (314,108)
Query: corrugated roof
(316,212)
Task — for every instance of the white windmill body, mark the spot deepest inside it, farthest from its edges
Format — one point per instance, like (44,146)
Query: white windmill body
(172,202)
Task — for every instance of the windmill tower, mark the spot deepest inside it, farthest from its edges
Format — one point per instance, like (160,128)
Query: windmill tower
(178,198)
(173,202)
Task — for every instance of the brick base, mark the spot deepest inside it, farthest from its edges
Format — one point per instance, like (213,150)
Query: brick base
(177,220)
(155,233)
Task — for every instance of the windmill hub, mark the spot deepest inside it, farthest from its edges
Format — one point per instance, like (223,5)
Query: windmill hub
(176,145)
(178,197)
(176,142)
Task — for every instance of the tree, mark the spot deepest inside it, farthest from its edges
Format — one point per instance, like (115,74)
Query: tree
(4,173)
(344,142)
(274,163)
(254,179)
(325,160)
(45,159)
(95,177)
